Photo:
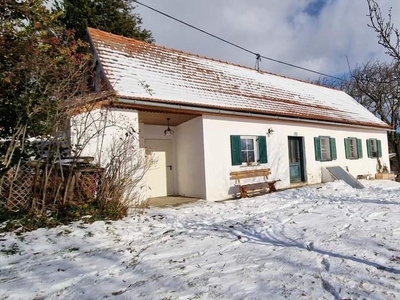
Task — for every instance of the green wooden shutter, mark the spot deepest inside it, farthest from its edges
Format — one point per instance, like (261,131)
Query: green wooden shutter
(317,148)
(379,147)
(347,147)
(262,149)
(333,148)
(369,148)
(235,150)
(359,148)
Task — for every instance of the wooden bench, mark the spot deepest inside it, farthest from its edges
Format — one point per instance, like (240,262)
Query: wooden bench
(261,186)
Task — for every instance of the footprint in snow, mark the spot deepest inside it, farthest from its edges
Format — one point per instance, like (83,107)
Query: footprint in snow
(325,263)
(330,289)
(343,230)
(309,246)
(346,227)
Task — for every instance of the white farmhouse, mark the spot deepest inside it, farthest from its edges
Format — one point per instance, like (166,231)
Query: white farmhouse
(204,118)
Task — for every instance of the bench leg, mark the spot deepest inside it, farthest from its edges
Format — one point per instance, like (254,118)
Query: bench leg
(243,192)
(272,187)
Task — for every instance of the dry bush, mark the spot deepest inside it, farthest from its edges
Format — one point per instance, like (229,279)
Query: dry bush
(121,183)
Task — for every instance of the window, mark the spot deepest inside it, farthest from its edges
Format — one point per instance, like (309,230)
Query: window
(248,149)
(353,148)
(325,148)
(374,148)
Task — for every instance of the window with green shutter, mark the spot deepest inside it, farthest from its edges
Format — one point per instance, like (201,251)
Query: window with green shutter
(332,146)
(379,148)
(235,150)
(374,148)
(353,148)
(359,148)
(317,148)
(262,150)
(325,148)
(248,150)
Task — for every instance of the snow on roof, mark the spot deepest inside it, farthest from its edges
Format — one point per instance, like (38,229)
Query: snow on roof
(139,70)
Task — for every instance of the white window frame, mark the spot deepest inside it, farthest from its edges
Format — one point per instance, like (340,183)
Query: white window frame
(326,154)
(256,147)
(353,148)
(374,148)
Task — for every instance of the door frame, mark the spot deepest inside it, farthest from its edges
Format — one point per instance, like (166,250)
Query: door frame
(300,140)
(169,165)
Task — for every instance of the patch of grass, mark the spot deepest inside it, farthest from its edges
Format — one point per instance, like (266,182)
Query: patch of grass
(21,238)
(89,234)
(88,212)
(93,211)
(12,250)
(64,232)
(117,293)
(73,249)
(28,222)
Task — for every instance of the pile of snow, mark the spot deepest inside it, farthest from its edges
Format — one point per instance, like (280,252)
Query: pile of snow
(326,242)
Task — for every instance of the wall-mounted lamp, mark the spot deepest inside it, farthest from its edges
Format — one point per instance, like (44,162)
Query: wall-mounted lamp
(270,131)
(168,131)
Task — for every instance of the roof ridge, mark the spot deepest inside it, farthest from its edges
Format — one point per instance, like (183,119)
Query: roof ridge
(207,57)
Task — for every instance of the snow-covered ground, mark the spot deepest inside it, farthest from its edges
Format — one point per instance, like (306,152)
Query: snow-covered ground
(326,242)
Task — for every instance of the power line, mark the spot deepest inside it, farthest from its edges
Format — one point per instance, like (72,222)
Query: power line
(258,56)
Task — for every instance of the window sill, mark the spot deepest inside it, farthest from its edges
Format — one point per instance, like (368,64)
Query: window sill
(249,166)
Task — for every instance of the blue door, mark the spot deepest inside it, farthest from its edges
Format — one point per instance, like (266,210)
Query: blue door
(296,161)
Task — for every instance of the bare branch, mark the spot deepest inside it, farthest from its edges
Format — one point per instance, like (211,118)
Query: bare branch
(388,35)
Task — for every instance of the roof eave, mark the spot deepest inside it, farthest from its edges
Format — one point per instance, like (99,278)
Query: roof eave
(154,103)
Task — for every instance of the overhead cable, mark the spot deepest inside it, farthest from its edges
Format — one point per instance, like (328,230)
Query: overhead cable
(258,56)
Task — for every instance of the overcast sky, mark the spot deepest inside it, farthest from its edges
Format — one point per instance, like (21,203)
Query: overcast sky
(315,34)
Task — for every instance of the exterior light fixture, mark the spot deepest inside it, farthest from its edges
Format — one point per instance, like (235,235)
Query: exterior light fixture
(270,131)
(168,131)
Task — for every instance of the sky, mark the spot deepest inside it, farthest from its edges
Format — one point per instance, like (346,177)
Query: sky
(318,242)
(314,34)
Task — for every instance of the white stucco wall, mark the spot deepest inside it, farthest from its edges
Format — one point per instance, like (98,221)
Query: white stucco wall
(202,151)
(187,148)
(217,132)
(190,158)
(100,130)
(355,167)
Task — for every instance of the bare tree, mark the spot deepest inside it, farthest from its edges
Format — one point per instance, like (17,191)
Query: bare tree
(375,85)
(388,35)
(389,74)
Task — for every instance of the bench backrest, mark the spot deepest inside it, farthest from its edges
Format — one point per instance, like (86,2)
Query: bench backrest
(250,173)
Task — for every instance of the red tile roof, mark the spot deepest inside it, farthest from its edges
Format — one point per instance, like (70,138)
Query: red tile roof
(138,70)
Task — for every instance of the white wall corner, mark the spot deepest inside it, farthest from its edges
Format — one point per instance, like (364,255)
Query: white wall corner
(326,176)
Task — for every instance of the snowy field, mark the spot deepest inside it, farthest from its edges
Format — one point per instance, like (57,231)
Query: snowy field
(326,242)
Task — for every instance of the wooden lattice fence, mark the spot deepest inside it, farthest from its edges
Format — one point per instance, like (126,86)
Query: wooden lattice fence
(59,184)
(16,188)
